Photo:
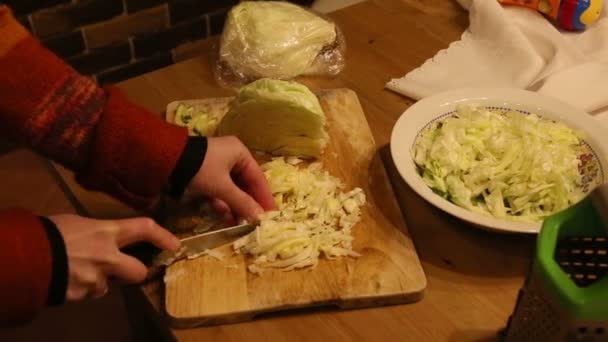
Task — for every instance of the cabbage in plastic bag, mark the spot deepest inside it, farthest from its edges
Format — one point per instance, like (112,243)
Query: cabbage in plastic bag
(273,39)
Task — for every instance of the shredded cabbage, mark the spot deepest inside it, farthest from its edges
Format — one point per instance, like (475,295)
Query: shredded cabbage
(198,122)
(314,217)
(506,164)
(216,254)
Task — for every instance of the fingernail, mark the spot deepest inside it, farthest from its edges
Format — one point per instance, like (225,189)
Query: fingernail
(258,210)
(256,215)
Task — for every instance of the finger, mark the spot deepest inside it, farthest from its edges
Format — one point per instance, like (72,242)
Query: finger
(100,288)
(223,210)
(145,229)
(241,203)
(87,282)
(128,269)
(228,219)
(220,207)
(76,293)
(252,177)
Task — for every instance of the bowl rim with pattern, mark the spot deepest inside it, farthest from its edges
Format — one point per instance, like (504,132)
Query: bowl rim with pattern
(421,114)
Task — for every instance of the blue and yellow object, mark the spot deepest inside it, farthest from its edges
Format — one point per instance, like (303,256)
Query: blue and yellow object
(571,15)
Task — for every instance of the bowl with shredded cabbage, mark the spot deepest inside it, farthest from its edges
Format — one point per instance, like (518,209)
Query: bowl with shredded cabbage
(501,159)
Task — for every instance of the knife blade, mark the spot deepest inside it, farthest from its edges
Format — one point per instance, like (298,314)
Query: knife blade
(153,256)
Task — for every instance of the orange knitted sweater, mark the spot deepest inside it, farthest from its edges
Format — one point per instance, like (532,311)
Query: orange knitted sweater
(111,144)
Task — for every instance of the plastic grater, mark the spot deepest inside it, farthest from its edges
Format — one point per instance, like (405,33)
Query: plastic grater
(565,296)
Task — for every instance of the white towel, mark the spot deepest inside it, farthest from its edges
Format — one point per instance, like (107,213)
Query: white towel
(519,48)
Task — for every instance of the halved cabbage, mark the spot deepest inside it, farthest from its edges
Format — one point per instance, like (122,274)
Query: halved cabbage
(278,117)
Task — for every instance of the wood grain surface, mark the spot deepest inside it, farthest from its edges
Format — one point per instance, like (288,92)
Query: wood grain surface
(210,291)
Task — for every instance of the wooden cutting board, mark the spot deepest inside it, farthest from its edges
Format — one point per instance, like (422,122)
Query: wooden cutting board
(207,291)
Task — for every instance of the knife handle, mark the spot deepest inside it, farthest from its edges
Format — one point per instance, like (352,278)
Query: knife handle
(142,251)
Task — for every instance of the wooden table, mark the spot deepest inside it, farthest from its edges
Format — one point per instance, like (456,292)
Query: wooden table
(473,275)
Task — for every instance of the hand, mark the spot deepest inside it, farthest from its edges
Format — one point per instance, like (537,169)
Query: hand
(233,179)
(93,251)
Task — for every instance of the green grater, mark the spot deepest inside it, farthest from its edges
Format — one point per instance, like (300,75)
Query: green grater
(565,296)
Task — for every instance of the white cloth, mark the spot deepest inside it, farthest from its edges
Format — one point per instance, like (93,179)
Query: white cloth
(519,48)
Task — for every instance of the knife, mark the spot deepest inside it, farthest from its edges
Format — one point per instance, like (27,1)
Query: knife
(153,256)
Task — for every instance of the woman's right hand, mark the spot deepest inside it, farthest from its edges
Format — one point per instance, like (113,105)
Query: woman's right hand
(93,250)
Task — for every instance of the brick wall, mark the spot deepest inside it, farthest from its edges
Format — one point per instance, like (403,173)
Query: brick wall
(113,40)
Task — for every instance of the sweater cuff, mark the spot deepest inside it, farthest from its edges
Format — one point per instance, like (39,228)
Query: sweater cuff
(187,166)
(59,272)
(25,261)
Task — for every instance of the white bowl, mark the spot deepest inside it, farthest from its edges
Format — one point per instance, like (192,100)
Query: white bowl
(425,111)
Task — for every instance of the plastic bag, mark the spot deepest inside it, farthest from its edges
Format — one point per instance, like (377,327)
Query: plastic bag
(280,40)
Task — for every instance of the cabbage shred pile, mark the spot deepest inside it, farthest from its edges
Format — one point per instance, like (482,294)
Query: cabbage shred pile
(314,218)
(506,164)
(199,122)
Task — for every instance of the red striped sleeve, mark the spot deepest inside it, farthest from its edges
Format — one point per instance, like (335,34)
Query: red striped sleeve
(112,144)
